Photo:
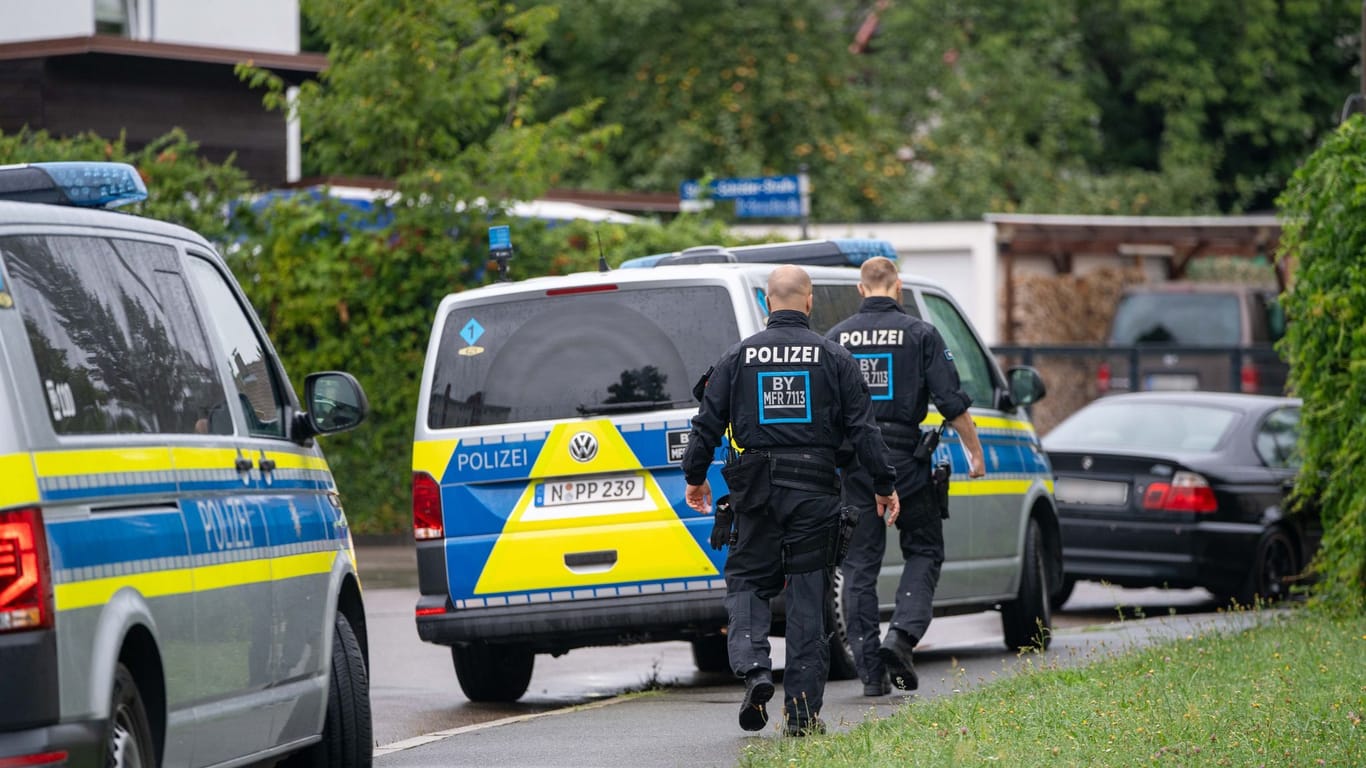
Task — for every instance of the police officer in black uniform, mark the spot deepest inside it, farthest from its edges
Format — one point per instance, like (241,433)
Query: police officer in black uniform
(789,397)
(905,363)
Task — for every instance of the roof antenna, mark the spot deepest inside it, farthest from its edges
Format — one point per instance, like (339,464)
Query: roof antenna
(602,258)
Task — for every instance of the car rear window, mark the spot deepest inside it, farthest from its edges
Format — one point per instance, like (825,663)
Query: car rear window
(1174,427)
(542,356)
(1198,319)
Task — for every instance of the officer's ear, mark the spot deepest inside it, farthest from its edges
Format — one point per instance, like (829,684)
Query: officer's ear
(809,298)
(862,291)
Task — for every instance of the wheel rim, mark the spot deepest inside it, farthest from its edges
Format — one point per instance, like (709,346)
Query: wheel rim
(124,751)
(1277,565)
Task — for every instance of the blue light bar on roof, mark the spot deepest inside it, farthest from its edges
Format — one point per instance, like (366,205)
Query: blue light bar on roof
(89,185)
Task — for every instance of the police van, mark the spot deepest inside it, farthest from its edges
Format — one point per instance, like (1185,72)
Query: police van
(548,500)
(177,582)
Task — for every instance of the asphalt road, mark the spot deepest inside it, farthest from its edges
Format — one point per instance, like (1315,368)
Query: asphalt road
(647,705)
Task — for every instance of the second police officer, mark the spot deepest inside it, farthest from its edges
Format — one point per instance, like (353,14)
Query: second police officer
(906,364)
(788,398)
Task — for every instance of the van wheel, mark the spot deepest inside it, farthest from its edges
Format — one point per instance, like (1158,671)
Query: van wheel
(1272,569)
(1063,592)
(842,666)
(129,744)
(709,654)
(1027,620)
(498,673)
(346,738)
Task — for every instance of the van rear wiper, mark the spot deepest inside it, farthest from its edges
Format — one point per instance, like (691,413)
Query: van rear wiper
(644,405)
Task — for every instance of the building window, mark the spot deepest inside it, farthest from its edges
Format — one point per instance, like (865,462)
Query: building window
(116,17)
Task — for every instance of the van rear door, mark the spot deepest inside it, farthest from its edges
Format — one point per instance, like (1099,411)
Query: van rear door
(554,423)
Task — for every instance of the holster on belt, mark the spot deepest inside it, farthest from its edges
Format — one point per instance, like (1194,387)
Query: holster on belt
(939,487)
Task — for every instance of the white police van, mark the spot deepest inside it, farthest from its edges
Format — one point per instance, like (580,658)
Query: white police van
(547,496)
(177,582)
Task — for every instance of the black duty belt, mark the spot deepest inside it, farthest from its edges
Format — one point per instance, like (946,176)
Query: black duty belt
(899,437)
(803,470)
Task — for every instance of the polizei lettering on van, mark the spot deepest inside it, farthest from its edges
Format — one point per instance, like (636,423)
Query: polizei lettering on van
(783,354)
(872,337)
(479,459)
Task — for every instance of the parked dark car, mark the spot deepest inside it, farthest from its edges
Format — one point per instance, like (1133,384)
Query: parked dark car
(1182,489)
(1195,336)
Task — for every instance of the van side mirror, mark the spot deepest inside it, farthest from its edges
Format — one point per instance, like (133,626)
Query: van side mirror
(1026,385)
(333,402)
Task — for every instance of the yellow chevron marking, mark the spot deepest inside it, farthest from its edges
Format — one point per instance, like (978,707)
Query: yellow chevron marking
(432,456)
(648,538)
(183,581)
(19,487)
(102,461)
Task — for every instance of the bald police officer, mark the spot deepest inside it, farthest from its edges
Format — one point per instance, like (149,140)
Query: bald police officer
(789,397)
(905,363)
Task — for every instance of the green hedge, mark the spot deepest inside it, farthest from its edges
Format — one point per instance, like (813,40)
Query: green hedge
(1324,242)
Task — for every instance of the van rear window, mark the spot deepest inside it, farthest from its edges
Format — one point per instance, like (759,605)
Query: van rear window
(536,356)
(1196,319)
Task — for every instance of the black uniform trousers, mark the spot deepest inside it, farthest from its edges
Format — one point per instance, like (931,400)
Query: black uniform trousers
(754,576)
(920,533)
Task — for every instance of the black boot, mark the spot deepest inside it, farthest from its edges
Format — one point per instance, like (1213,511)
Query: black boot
(896,656)
(758,690)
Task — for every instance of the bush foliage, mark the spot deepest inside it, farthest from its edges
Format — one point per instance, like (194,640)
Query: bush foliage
(1324,238)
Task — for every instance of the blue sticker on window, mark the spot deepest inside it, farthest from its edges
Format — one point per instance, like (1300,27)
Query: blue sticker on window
(785,397)
(877,372)
(763,300)
(472,331)
(948,355)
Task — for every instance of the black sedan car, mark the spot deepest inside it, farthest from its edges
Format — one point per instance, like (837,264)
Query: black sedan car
(1182,489)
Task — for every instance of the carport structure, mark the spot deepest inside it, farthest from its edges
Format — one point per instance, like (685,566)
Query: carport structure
(1165,243)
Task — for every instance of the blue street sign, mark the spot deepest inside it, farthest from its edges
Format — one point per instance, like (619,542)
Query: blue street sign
(755,197)
(500,238)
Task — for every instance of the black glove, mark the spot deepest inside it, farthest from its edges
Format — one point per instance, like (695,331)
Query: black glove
(720,530)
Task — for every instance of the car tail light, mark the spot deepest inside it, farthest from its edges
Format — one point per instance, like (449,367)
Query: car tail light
(1103,378)
(1249,379)
(25,585)
(1187,492)
(426,508)
(39,758)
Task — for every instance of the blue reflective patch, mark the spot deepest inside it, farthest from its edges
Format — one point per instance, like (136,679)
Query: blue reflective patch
(783,399)
(472,331)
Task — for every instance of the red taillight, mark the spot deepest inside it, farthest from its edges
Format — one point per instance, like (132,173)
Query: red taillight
(426,508)
(1103,378)
(581,289)
(1248,379)
(1187,492)
(41,758)
(25,588)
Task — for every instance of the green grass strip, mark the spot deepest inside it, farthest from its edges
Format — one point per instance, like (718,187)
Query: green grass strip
(1290,690)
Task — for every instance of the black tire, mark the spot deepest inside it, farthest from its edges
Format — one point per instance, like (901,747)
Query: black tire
(709,654)
(493,673)
(128,743)
(1064,591)
(1027,621)
(842,665)
(1272,569)
(347,740)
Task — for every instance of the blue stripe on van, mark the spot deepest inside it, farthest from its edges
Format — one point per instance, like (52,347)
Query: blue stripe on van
(103,541)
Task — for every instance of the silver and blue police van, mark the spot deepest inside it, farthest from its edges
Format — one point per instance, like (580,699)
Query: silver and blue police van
(177,581)
(548,499)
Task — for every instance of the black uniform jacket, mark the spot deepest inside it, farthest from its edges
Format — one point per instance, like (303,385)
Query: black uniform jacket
(786,387)
(904,361)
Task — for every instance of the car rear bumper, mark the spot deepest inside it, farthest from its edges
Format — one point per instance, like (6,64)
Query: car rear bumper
(559,627)
(81,742)
(1210,554)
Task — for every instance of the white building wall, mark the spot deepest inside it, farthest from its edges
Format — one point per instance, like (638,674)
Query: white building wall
(253,25)
(959,255)
(22,20)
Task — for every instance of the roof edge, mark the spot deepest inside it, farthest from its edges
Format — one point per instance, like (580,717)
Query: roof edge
(310,63)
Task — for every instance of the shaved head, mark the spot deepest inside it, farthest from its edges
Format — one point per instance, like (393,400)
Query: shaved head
(789,287)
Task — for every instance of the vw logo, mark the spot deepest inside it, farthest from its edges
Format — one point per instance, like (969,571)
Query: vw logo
(583,447)
(1086,462)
